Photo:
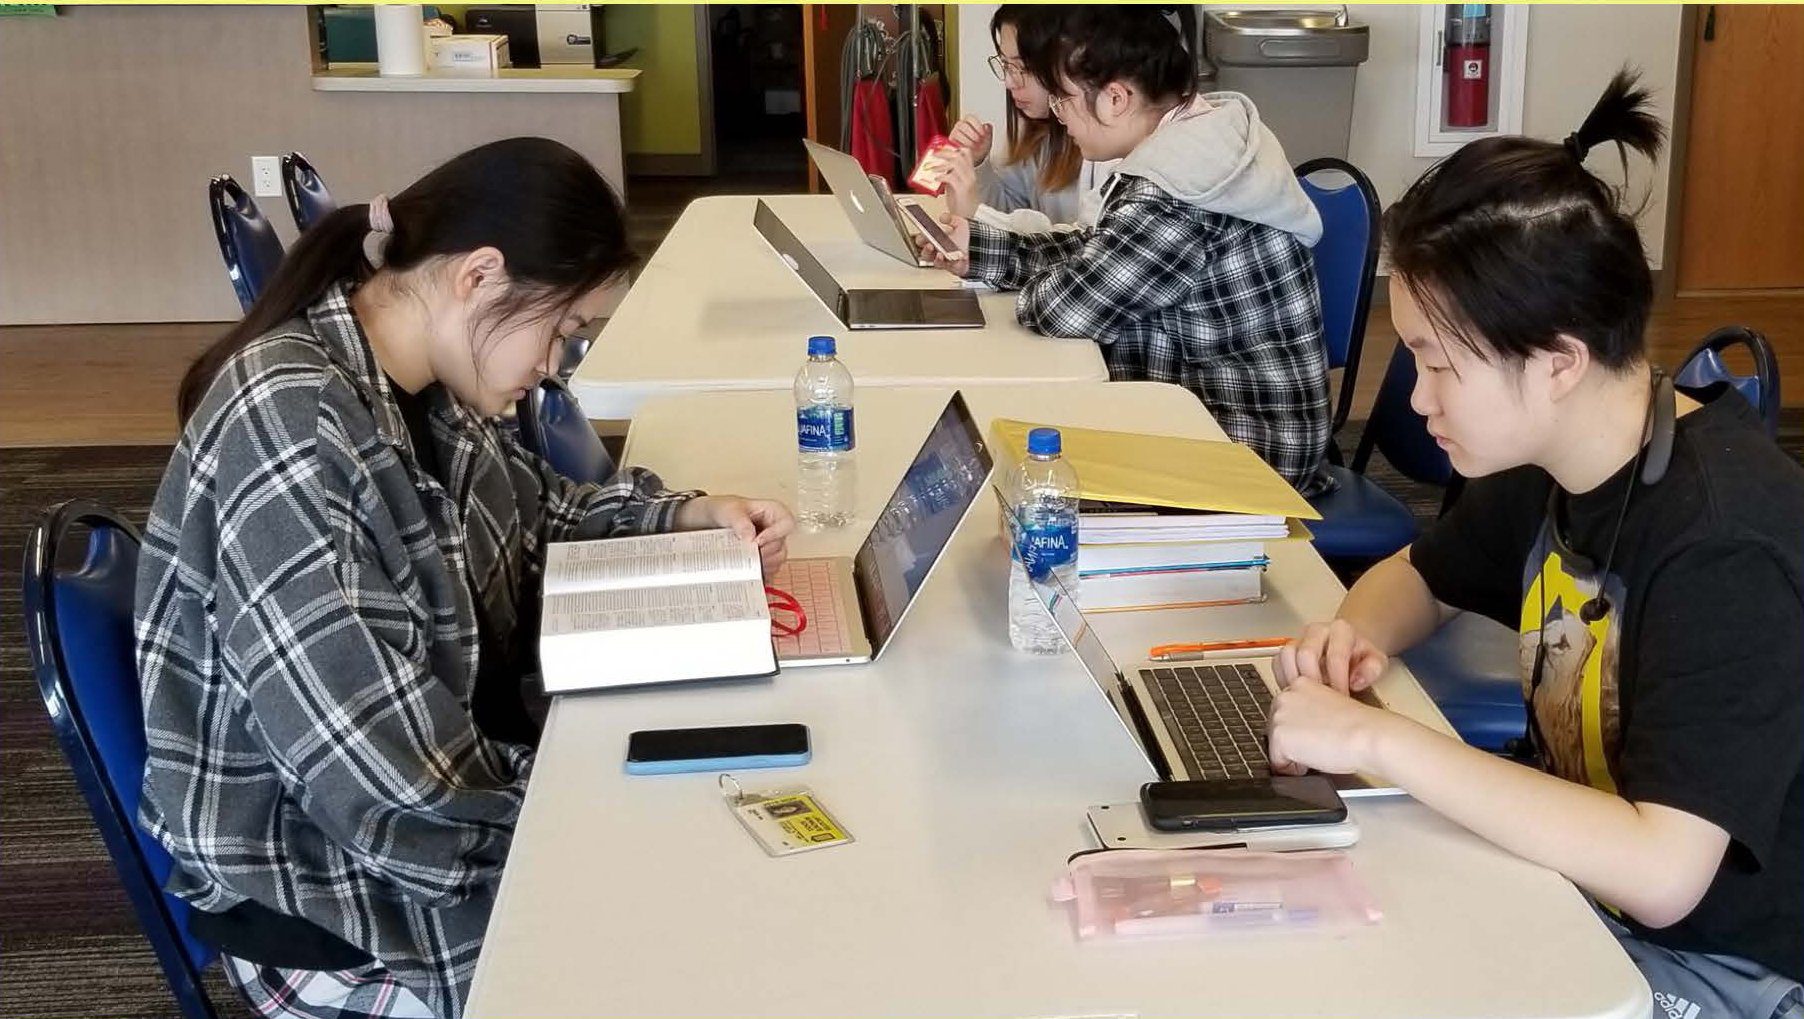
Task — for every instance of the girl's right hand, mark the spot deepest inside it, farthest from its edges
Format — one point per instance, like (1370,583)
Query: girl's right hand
(974,136)
(1333,654)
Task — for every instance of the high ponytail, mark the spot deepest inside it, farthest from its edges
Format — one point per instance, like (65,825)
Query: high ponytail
(552,216)
(1511,243)
(1620,118)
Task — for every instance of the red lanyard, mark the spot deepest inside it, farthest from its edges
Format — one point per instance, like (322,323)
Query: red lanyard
(783,601)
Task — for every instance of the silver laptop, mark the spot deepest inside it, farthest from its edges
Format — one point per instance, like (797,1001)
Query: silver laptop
(1199,721)
(854,606)
(868,309)
(868,203)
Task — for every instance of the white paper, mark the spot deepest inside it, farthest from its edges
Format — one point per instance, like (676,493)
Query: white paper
(692,557)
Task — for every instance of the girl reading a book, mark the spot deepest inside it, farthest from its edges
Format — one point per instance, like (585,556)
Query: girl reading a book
(1645,544)
(337,598)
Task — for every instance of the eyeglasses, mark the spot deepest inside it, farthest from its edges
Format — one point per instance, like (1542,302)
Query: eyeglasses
(1059,106)
(1007,70)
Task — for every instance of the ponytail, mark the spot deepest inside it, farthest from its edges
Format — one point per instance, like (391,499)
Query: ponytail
(1511,243)
(332,250)
(556,222)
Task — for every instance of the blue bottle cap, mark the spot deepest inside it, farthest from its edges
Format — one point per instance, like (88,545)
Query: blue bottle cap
(1044,442)
(821,346)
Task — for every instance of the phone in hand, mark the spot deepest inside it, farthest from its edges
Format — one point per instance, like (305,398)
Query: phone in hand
(936,236)
(1229,804)
(721,748)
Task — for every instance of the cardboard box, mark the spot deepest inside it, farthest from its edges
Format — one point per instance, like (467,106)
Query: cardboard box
(480,54)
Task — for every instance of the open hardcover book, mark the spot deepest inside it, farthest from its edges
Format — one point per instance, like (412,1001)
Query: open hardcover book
(655,609)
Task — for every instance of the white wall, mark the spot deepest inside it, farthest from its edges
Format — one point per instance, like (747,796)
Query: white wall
(1572,51)
(113,117)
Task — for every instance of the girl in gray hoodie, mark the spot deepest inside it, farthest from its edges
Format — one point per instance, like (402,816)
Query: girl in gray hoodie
(1198,269)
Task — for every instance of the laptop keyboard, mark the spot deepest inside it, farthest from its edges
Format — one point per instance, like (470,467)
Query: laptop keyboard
(1217,716)
(813,583)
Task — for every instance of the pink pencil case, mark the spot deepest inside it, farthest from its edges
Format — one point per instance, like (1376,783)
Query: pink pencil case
(1139,894)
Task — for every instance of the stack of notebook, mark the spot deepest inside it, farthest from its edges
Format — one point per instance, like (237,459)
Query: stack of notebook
(1168,522)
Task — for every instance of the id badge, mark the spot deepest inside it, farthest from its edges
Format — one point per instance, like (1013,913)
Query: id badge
(784,821)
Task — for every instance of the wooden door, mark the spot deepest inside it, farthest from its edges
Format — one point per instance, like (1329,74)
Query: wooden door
(824,31)
(1742,222)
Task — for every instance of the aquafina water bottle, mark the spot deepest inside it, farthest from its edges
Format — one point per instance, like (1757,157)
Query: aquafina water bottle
(825,439)
(1043,491)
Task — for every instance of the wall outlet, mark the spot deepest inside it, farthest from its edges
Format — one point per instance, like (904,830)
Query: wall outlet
(266,176)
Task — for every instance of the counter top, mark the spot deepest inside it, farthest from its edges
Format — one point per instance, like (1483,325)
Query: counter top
(564,78)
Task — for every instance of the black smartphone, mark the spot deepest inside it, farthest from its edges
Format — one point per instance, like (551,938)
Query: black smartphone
(1229,804)
(722,748)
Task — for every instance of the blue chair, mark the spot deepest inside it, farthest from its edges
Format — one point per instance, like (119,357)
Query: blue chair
(78,632)
(1705,367)
(247,241)
(1361,522)
(308,200)
(552,426)
(1346,263)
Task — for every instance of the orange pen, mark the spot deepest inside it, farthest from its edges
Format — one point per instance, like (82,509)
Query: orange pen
(1253,647)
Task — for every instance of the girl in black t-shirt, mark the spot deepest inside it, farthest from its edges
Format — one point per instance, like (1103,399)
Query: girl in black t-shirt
(1644,542)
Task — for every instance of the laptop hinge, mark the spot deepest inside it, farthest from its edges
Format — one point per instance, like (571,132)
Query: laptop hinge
(1137,715)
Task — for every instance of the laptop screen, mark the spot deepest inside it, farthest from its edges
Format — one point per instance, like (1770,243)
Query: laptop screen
(917,523)
(798,257)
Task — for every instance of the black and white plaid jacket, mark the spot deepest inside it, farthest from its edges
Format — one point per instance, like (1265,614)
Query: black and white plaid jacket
(1224,307)
(307,644)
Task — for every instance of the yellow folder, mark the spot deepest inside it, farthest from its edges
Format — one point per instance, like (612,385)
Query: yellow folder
(1164,470)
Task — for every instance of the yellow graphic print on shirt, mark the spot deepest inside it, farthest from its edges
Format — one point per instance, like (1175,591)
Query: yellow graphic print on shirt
(1577,706)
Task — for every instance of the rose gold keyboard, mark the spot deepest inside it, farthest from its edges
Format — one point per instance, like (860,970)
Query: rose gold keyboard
(816,587)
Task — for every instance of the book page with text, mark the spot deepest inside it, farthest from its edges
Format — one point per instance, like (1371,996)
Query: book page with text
(653,560)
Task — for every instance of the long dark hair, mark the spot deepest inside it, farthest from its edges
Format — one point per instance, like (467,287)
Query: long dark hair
(555,221)
(1510,242)
(1101,43)
(1036,36)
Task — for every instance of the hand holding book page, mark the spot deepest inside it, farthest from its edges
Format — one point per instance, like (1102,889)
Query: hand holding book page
(652,609)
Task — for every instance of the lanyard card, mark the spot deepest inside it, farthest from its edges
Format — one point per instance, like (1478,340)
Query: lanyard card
(784,821)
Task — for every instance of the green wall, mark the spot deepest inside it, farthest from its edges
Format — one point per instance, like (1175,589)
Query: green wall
(663,112)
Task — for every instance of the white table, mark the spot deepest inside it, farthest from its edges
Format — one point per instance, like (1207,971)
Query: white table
(716,309)
(963,769)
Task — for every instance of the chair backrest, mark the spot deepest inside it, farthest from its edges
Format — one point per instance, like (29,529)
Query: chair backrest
(308,200)
(247,241)
(1396,430)
(1706,367)
(552,425)
(1346,262)
(78,630)
(575,349)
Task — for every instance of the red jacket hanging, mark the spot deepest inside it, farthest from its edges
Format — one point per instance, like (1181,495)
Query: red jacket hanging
(873,129)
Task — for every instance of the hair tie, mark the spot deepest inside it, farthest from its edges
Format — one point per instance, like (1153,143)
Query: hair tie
(1575,146)
(382,225)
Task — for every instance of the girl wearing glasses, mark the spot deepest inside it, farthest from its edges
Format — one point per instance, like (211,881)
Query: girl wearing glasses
(1041,179)
(1198,270)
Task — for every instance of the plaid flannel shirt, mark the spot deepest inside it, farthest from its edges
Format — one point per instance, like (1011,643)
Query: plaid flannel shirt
(307,645)
(1226,308)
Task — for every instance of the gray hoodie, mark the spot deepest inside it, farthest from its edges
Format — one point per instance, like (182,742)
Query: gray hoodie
(1215,153)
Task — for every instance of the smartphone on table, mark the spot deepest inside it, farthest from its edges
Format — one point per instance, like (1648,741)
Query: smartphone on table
(1229,804)
(720,748)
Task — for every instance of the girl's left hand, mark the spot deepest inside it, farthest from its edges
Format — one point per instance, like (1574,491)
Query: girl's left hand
(765,522)
(1317,727)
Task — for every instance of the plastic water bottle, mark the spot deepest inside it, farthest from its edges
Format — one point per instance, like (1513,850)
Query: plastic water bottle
(1043,491)
(825,439)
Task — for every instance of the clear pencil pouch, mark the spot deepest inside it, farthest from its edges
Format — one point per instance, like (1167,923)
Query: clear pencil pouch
(1140,894)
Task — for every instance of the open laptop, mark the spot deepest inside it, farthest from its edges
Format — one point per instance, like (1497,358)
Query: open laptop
(854,606)
(867,203)
(868,309)
(1200,721)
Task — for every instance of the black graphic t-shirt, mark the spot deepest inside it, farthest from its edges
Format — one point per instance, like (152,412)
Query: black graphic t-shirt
(1689,691)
